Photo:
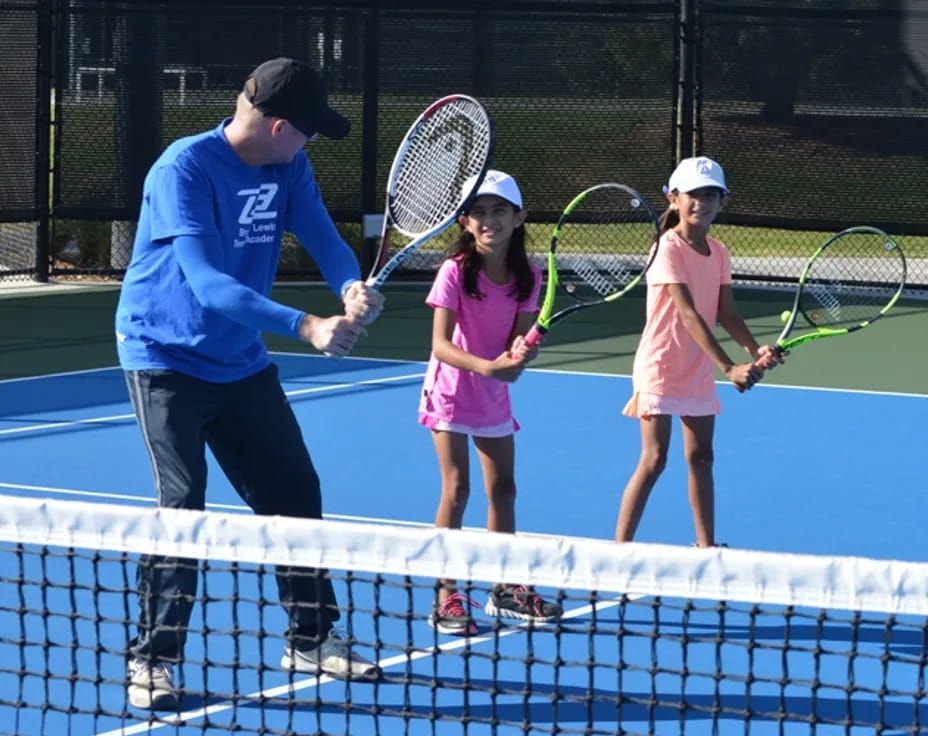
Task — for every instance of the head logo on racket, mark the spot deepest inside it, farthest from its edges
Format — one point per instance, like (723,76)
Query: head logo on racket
(437,168)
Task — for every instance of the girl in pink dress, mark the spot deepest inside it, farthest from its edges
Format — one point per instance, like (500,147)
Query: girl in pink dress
(485,298)
(689,290)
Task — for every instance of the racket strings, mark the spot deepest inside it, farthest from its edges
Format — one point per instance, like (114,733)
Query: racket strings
(852,280)
(603,243)
(449,146)
(595,274)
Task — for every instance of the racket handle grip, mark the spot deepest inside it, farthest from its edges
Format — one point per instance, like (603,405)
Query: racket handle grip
(757,364)
(535,336)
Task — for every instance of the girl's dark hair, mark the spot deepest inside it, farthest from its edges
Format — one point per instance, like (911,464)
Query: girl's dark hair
(464,250)
(668,220)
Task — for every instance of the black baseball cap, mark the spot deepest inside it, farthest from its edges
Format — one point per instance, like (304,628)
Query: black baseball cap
(289,89)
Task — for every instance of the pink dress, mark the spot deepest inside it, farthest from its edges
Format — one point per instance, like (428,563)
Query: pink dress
(672,374)
(462,401)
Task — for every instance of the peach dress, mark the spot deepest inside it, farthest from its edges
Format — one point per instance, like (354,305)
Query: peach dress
(672,374)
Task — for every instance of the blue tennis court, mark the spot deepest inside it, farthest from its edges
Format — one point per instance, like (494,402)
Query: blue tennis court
(798,470)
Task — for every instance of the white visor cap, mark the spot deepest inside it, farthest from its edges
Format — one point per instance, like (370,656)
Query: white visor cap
(696,173)
(498,183)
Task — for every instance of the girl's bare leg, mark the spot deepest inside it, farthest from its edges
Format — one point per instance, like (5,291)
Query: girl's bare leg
(697,446)
(655,440)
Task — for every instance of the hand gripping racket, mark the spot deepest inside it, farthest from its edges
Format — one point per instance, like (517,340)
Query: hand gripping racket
(852,280)
(448,146)
(601,247)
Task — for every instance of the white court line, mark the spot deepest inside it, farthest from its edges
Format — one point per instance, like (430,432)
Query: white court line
(556,371)
(70,423)
(243,509)
(238,508)
(117,369)
(295,392)
(831,389)
(289,688)
(59,375)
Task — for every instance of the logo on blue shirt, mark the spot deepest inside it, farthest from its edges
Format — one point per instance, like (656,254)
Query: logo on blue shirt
(257,207)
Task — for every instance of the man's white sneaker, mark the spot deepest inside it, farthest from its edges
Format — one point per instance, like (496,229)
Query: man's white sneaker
(151,685)
(334,657)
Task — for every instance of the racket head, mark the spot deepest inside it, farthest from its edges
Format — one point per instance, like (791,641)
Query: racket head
(440,163)
(450,143)
(601,246)
(853,279)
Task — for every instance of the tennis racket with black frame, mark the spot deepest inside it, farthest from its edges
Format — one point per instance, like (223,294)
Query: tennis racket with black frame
(851,281)
(602,246)
(449,145)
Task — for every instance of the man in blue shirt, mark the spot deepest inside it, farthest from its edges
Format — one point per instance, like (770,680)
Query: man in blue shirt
(193,304)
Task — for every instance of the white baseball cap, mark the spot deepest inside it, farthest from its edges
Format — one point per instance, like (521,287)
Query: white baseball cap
(498,183)
(695,173)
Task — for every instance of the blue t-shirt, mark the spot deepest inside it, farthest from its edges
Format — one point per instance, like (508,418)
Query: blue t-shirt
(194,298)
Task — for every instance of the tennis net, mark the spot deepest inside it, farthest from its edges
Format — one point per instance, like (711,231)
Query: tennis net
(654,638)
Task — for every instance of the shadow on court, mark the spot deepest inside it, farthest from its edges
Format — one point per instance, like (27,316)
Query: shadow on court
(562,704)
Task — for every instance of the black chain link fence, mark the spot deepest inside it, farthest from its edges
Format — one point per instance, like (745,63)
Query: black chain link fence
(817,110)
(19,210)
(814,108)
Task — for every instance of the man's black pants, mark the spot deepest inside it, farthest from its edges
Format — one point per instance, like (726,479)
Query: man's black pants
(253,434)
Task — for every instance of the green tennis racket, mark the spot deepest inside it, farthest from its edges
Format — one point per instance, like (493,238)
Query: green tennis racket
(601,247)
(853,279)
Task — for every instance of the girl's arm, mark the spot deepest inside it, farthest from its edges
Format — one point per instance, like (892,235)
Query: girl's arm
(733,324)
(504,368)
(743,375)
(766,355)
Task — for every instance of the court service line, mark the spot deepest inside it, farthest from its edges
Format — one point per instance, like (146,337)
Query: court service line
(291,354)
(832,389)
(119,371)
(60,374)
(238,508)
(554,371)
(121,417)
(601,374)
(70,423)
(292,687)
(243,509)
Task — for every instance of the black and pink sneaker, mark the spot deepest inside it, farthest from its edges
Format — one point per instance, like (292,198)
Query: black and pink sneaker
(520,602)
(452,616)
